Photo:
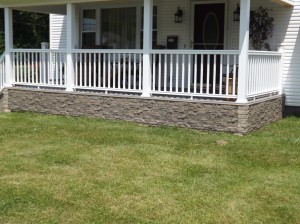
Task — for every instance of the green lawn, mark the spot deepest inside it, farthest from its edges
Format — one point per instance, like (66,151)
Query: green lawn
(57,169)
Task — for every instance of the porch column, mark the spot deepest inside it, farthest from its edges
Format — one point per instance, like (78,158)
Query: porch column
(148,14)
(244,51)
(8,17)
(71,35)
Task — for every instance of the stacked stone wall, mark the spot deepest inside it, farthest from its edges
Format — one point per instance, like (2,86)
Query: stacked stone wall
(196,114)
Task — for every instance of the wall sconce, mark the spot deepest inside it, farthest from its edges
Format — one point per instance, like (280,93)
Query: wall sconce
(236,14)
(178,15)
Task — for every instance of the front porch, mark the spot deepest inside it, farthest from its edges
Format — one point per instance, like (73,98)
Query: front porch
(206,70)
(229,87)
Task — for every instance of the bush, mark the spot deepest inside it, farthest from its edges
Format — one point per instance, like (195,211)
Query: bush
(261,28)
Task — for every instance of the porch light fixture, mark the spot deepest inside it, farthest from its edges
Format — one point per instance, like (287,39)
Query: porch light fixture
(236,14)
(178,15)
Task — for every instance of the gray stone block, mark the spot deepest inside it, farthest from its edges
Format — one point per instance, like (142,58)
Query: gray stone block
(201,115)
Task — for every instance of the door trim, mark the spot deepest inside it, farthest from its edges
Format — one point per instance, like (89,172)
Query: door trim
(192,19)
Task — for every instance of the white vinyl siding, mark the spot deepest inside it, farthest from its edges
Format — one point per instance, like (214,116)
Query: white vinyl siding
(58,31)
(291,78)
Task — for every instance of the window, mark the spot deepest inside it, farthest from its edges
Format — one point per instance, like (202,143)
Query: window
(154,27)
(118,28)
(88,27)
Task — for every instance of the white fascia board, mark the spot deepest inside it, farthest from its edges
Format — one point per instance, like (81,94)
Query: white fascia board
(288,3)
(23,3)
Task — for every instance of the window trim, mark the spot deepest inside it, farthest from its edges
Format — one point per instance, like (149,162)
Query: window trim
(99,8)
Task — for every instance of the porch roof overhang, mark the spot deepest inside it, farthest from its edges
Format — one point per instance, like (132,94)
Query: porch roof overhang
(30,3)
(284,2)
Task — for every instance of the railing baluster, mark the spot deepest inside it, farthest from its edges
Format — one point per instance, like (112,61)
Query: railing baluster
(159,72)
(189,73)
(119,70)
(165,72)
(227,74)
(202,74)
(183,73)
(195,72)
(124,71)
(94,84)
(36,68)
(90,69)
(171,72)
(29,68)
(140,71)
(129,71)
(208,74)
(114,70)
(81,72)
(214,74)
(32,68)
(134,72)
(234,75)
(18,67)
(104,70)
(221,74)
(177,72)
(154,72)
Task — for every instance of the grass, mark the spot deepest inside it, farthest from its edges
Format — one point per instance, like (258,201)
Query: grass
(57,169)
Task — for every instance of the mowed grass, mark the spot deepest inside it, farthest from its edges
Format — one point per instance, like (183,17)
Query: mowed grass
(56,169)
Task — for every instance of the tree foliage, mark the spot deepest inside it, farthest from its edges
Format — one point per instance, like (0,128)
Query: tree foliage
(261,28)
(29,29)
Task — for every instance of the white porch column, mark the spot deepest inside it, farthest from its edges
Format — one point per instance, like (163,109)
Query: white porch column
(71,41)
(244,51)
(148,15)
(8,17)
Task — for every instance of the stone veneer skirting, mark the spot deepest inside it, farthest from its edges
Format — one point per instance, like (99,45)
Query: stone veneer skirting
(205,115)
(3,100)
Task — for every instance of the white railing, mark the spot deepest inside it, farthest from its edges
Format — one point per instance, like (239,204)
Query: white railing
(2,72)
(187,73)
(39,67)
(264,73)
(108,70)
(195,73)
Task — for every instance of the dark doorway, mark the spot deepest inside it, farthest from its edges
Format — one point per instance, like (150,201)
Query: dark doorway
(209,27)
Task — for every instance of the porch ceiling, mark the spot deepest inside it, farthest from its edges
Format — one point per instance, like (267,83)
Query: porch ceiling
(54,9)
(30,3)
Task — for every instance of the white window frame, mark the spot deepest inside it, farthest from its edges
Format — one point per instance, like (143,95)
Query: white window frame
(99,8)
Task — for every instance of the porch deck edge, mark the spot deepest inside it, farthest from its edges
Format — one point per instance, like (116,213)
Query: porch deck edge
(230,101)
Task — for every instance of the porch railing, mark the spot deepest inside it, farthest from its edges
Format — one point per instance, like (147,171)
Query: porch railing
(2,72)
(39,67)
(184,73)
(264,73)
(109,70)
(195,73)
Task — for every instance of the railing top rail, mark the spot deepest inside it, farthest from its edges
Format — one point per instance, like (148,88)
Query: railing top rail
(128,51)
(222,52)
(125,51)
(107,51)
(265,53)
(38,50)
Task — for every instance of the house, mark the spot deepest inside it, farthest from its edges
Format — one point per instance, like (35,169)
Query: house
(160,62)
